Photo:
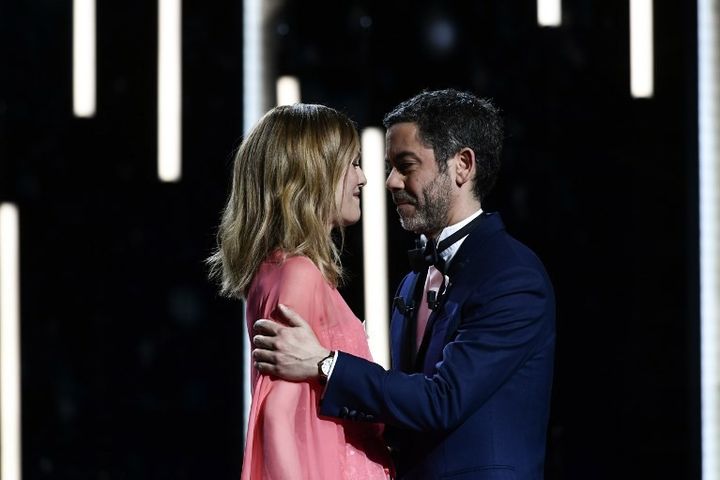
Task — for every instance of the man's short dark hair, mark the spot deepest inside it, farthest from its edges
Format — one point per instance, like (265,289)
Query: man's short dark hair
(449,120)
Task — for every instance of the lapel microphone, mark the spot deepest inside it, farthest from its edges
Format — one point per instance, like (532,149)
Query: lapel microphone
(405,309)
(433,299)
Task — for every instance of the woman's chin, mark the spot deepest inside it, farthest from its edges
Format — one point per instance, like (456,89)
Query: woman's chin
(346,221)
(351,220)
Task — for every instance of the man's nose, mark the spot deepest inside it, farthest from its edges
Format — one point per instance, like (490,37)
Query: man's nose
(394,181)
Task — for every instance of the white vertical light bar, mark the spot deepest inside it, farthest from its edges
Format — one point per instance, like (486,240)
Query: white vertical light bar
(253,73)
(10,456)
(287,90)
(374,200)
(641,48)
(709,199)
(549,13)
(84,58)
(253,109)
(169,91)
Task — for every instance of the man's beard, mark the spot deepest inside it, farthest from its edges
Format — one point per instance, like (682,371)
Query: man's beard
(432,216)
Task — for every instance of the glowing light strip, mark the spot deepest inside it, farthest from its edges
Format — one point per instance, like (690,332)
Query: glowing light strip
(549,13)
(287,90)
(641,48)
(374,198)
(84,58)
(169,91)
(253,108)
(709,198)
(254,103)
(10,455)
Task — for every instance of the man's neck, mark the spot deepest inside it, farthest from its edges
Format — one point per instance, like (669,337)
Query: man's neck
(457,216)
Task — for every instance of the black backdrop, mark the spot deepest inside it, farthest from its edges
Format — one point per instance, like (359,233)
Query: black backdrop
(131,363)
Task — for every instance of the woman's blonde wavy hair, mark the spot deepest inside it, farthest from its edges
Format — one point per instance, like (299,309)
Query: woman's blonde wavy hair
(285,174)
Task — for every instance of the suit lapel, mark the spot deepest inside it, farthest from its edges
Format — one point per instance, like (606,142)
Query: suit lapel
(445,319)
(402,327)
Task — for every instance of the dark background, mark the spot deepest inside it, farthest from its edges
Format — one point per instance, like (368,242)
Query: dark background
(131,363)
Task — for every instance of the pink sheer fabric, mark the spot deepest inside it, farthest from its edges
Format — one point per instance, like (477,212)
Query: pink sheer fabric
(286,438)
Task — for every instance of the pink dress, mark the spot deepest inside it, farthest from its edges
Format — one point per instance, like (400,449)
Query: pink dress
(286,437)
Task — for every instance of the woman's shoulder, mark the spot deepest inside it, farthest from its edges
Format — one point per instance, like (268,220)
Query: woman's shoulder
(294,269)
(291,280)
(299,264)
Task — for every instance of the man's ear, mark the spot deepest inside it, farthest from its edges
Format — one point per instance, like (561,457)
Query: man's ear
(464,166)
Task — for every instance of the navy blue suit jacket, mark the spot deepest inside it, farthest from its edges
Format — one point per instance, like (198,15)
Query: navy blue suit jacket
(474,402)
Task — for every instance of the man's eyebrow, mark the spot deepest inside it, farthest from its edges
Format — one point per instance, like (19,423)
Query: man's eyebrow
(404,154)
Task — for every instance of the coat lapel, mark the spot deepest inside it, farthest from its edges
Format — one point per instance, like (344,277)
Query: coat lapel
(445,319)
(402,326)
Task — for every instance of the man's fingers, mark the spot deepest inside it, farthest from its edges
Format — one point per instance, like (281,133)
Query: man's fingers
(263,356)
(261,341)
(266,326)
(294,319)
(265,361)
(265,368)
(270,327)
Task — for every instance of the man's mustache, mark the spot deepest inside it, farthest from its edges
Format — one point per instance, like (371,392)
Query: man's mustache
(403,197)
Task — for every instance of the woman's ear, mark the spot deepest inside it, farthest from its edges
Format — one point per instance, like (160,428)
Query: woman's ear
(464,166)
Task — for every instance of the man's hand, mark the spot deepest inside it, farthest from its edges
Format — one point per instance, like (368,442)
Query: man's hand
(290,352)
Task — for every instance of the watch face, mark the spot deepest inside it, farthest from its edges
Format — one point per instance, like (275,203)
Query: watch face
(325,366)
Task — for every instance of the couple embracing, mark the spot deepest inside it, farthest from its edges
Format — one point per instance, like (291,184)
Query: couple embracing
(473,324)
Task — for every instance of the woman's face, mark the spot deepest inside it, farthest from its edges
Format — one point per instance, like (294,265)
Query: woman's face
(347,193)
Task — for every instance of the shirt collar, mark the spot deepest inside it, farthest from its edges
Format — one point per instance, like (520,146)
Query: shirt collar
(450,252)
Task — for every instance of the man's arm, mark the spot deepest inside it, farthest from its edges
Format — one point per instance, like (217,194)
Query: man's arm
(500,332)
(505,340)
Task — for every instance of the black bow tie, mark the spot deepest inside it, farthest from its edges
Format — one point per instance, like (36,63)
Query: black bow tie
(421,258)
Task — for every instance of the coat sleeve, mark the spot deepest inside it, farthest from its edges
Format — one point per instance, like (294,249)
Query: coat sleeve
(501,326)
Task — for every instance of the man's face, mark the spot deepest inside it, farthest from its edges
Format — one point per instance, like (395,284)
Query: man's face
(421,193)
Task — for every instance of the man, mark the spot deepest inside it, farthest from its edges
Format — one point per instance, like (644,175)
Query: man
(473,333)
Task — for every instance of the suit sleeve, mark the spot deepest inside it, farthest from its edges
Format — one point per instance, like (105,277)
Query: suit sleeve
(502,325)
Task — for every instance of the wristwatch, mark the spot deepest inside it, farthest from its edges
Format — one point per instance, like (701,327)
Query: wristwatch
(324,368)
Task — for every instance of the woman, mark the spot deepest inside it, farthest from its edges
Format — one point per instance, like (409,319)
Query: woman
(296,179)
